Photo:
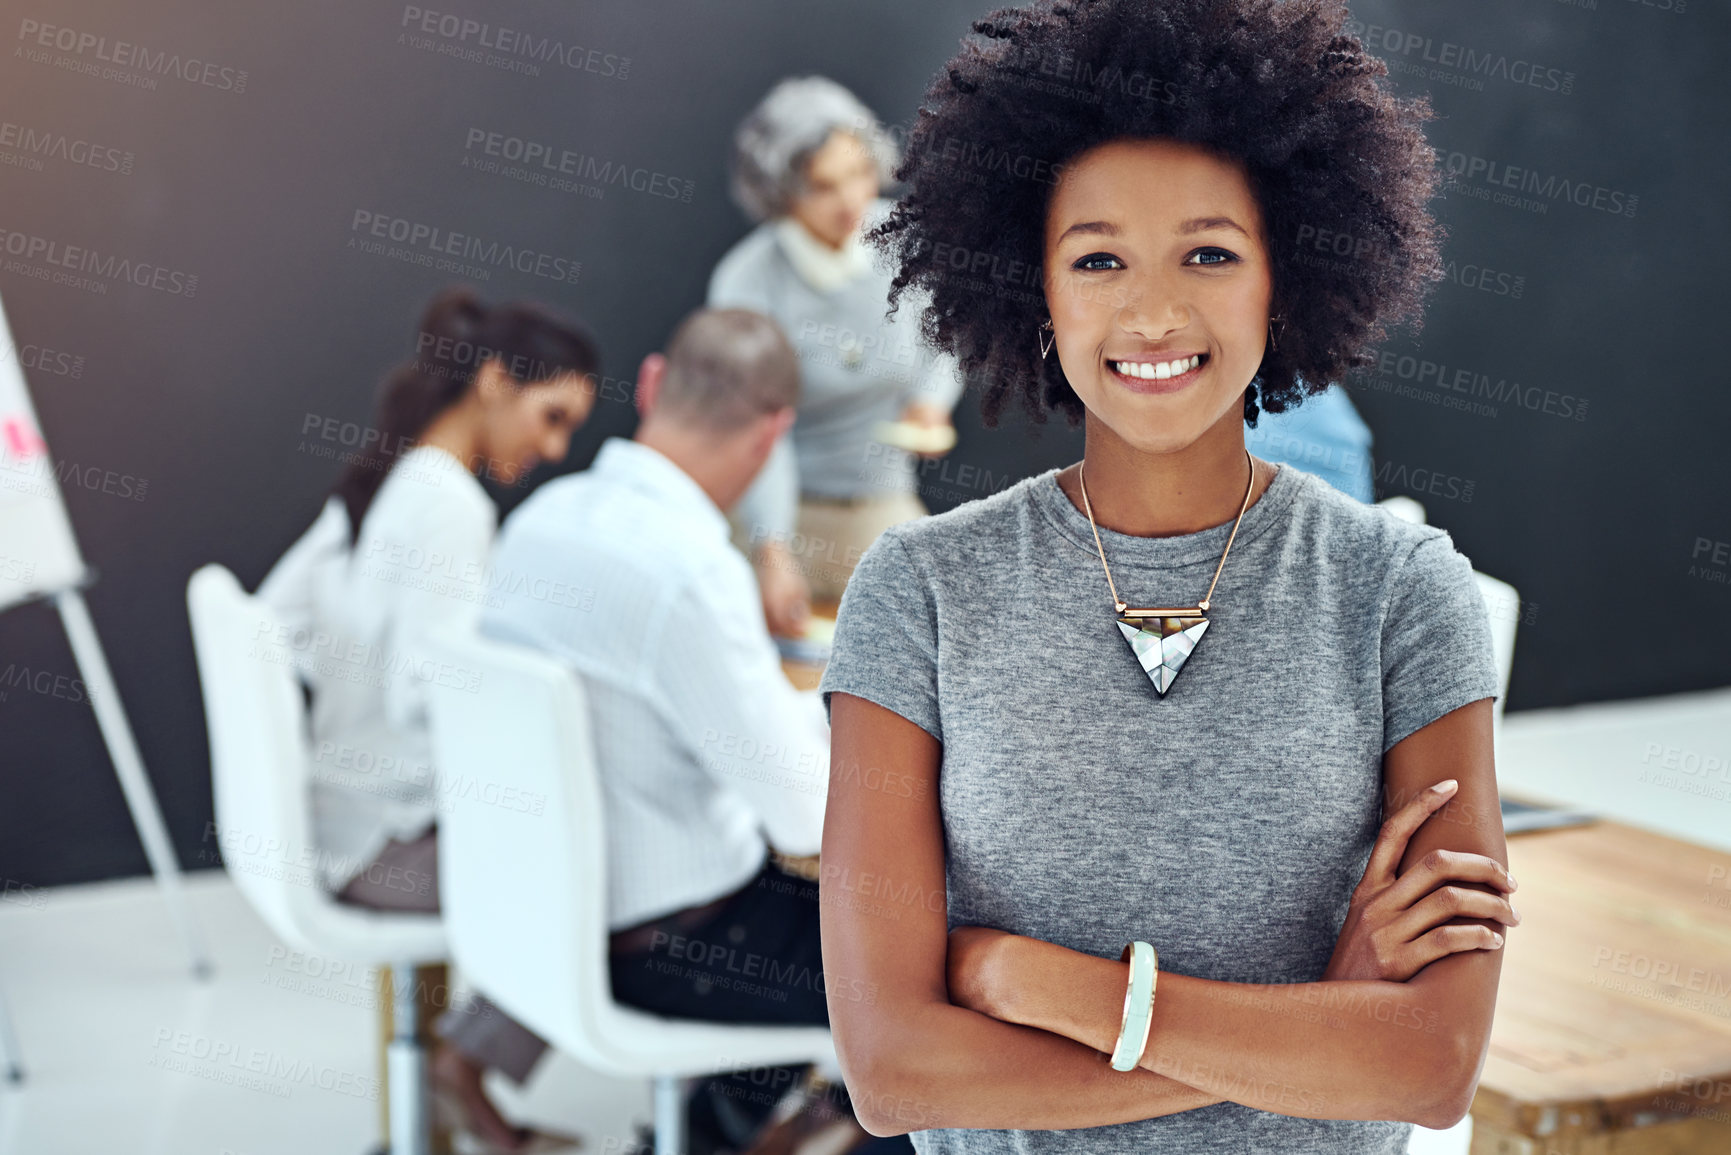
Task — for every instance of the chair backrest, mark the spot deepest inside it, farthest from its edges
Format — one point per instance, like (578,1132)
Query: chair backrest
(1502,606)
(522,854)
(256,717)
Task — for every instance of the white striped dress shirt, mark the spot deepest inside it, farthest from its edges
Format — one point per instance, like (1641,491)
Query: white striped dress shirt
(707,753)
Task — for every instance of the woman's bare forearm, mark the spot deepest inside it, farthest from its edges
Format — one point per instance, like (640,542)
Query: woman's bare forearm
(954,1067)
(1331,1050)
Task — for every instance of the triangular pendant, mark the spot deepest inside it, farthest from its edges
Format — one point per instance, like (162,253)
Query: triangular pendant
(1163,645)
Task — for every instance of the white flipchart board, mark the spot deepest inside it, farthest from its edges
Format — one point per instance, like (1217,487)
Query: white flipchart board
(38,554)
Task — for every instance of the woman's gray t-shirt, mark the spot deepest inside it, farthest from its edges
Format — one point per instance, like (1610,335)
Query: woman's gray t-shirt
(1228,822)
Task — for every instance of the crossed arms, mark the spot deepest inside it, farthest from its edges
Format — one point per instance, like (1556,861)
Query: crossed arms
(983,1029)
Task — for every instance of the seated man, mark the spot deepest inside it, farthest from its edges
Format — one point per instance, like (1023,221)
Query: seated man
(707,753)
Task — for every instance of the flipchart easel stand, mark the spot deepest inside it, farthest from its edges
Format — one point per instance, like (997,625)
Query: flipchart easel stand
(45,564)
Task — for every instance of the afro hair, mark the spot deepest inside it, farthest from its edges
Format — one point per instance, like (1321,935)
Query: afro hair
(1337,162)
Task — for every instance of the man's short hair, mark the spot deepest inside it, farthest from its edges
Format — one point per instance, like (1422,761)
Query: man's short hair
(727,367)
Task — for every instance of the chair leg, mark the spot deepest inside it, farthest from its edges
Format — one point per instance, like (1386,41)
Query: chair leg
(11,1058)
(669,1115)
(432,996)
(410,1113)
(386,1032)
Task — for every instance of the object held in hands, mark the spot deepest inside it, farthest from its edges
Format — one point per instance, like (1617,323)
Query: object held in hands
(813,647)
(913,438)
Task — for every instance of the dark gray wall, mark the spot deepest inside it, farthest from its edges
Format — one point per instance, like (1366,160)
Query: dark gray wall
(191,407)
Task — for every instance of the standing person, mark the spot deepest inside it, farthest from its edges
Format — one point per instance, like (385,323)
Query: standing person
(809,164)
(402,548)
(1172,689)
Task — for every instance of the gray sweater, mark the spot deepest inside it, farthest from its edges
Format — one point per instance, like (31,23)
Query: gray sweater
(856,369)
(1226,823)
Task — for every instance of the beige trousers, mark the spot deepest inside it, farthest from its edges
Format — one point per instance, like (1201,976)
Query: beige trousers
(830,536)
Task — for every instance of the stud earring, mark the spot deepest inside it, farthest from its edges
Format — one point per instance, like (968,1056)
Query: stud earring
(1045,345)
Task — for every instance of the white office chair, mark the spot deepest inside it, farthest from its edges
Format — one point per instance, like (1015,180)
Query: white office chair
(1502,606)
(258,755)
(523,869)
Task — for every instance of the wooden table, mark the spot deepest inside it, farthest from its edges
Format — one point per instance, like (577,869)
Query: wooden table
(1613,1025)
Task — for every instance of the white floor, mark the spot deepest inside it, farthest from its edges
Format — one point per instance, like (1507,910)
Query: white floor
(124,1052)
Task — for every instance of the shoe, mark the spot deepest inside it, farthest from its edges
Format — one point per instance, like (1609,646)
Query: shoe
(450,1112)
(537,1143)
(811,1134)
(815,1120)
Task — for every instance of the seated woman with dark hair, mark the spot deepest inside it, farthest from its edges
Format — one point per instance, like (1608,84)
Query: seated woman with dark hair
(1146,726)
(402,548)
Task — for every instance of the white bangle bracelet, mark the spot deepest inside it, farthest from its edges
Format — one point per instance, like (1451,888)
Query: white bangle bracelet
(1138,1006)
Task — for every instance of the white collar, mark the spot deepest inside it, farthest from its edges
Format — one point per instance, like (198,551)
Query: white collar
(822,267)
(649,469)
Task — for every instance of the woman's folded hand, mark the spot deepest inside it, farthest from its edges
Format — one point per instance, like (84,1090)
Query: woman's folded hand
(1396,926)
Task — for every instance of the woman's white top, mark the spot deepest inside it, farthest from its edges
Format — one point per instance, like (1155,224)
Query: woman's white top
(357,617)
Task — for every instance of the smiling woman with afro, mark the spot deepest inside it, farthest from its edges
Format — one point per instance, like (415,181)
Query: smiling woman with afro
(1329,151)
(1161,812)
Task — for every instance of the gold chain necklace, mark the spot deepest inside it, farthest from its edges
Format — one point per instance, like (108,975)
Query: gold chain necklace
(1163,638)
